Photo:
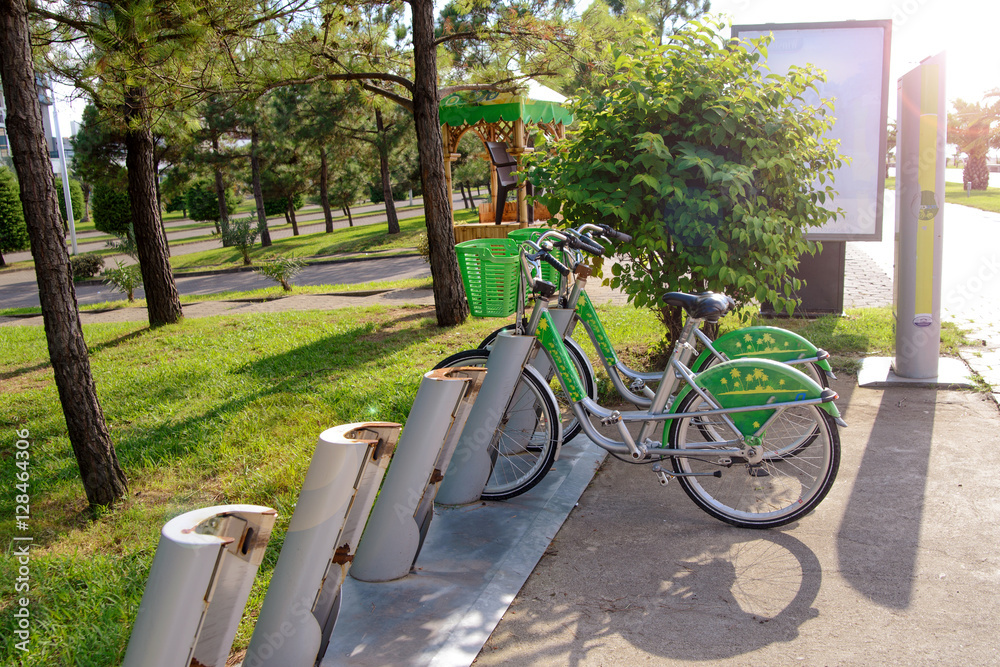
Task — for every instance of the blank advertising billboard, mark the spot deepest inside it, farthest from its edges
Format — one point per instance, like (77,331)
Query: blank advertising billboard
(855,57)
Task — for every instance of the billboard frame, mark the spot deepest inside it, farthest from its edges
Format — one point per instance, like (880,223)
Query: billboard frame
(886,24)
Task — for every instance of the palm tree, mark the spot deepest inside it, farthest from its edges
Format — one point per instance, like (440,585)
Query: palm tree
(971,129)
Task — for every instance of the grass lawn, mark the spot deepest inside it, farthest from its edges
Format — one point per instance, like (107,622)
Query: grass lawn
(226,410)
(985,200)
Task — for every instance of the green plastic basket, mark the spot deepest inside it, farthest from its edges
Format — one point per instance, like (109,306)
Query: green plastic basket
(490,273)
(549,273)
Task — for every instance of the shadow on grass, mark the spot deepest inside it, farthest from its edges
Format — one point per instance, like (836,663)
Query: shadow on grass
(26,370)
(343,370)
(111,344)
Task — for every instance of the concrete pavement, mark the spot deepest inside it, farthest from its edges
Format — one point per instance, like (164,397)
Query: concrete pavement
(897,566)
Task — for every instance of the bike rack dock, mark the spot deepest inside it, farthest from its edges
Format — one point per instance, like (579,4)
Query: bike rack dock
(473,563)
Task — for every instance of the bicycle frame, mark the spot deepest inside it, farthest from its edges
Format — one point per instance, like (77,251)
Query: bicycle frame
(577,301)
(543,328)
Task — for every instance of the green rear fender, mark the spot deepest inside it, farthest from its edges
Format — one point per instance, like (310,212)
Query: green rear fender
(751,382)
(771,343)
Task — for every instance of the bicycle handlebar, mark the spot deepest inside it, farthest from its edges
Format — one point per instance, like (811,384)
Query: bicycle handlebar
(584,244)
(613,233)
(545,255)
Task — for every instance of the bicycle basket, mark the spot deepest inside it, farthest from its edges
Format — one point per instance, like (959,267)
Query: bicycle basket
(490,273)
(549,273)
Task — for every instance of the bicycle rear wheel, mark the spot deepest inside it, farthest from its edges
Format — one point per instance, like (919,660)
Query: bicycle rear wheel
(807,432)
(524,446)
(780,488)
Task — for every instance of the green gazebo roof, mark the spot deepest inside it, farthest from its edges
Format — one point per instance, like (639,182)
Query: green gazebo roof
(474,106)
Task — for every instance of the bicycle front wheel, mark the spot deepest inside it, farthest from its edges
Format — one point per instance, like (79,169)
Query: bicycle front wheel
(571,426)
(779,488)
(524,446)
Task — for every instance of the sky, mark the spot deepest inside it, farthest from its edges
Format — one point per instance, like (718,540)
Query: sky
(966,30)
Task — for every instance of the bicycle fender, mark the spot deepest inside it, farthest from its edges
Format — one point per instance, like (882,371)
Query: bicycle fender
(762,342)
(751,382)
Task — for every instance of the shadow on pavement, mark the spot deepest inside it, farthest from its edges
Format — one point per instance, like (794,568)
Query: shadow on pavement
(878,542)
(661,575)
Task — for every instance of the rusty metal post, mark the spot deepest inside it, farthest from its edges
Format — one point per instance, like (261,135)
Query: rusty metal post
(470,465)
(402,515)
(302,601)
(198,585)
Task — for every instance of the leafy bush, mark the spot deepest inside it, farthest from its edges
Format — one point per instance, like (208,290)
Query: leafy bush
(277,205)
(242,233)
(280,270)
(125,279)
(203,203)
(86,265)
(177,203)
(400,192)
(424,247)
(713,165)
(111,208)
(13,230)
(75,196)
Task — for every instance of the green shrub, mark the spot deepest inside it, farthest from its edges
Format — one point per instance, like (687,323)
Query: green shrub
(400,192)
(177,203)
(203,203)
(280,270)
(242,233)
(278,205)
(111,208)
(86,265)
(13,230)
(76,198)
(714,166)
(125,279)
(424,247)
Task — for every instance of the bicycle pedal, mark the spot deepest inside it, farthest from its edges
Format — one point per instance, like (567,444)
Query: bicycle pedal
(661,474)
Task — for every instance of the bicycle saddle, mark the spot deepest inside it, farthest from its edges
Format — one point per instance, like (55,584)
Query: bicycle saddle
(705,306)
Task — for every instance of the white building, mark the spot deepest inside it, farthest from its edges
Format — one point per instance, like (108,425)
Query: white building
(44,96)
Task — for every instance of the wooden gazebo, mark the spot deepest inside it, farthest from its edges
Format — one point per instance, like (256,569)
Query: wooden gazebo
(503,117)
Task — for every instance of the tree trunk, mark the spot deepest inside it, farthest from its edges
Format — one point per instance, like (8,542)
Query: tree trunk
(103,479)
(324,189)
(383,160)
(86,202)
(347,212)
(162,301)
(2,262)
(449,295)
(220,194)
(258,193)
(291,216)
(976,171)
(159,209)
